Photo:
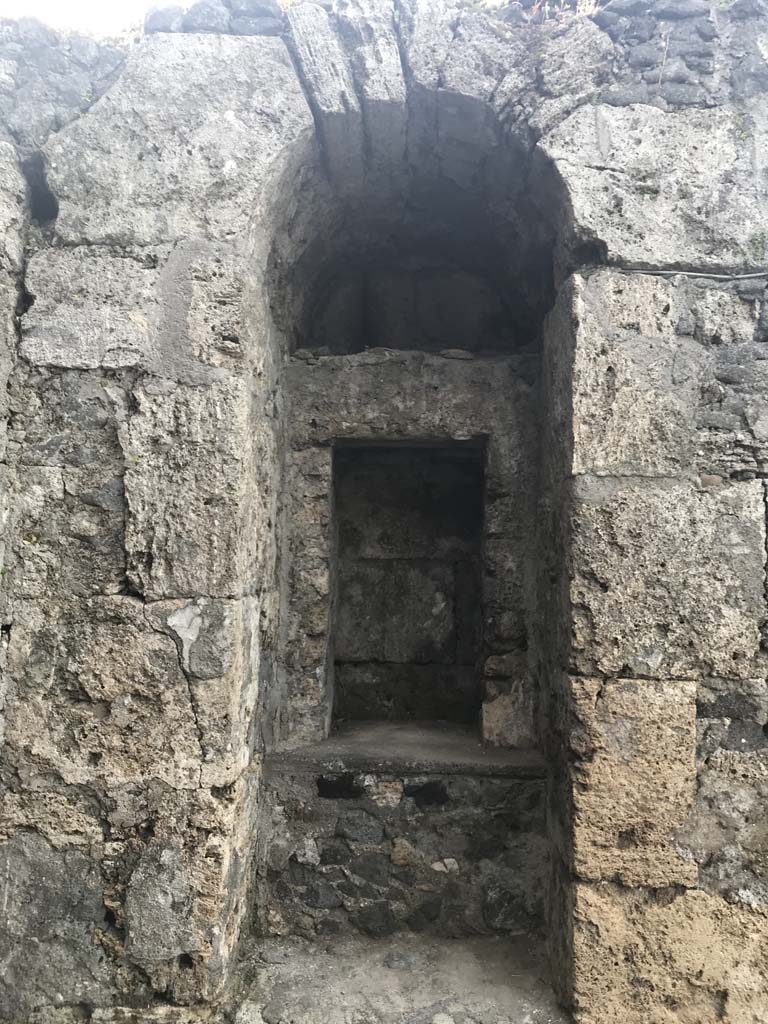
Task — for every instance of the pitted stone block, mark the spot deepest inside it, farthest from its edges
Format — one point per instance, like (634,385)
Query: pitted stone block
(666,578)
(658,189)
(634,779)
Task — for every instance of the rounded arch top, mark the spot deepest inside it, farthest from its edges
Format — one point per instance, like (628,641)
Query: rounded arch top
(422,216)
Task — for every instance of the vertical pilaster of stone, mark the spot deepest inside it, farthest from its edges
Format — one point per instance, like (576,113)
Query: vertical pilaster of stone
(550,640)
(12,203)
(306,651)
(509,697)
(661,587)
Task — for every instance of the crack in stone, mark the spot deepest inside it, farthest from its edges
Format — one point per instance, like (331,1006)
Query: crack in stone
(174,637)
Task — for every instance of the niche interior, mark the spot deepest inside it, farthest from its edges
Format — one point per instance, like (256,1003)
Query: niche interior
(407,629)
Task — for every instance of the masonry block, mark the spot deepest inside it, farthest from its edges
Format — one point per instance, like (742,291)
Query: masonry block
(634,778)
(667,956)
(666,578)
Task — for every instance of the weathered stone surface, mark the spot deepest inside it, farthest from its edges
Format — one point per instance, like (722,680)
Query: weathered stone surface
(633,779)
(8,299)
(659,189)
(568,70)
(185,484)
(351,396)
(726,831)
(408,581)
(355,396)
(98,695)
(63,440)
(47,79)
(390,633)
(255,8)
(12,204)
(91,309)
(169,576)
(458,49)
(576,61)
(158,906)
(256,26)
(395,691)
(674,9)
(206,16)
(507,718)
(325,67)
(164,19)
(667,578)
(667,956)
(157,1015)
(374,852)
(86,507)
(176,312)
(52,910)
(662,376)
(734,699)
(218,644)
(12,210)
(146,181)
(368,32)
(184,896)
(484,979)
(66,419)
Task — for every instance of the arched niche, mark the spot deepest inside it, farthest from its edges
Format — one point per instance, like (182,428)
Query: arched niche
(409,296)
(409,299)
(452,247)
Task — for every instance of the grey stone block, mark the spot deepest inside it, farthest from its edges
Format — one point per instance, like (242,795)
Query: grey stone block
(206,16)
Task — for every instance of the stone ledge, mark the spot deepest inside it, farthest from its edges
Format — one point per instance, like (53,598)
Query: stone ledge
(424,747)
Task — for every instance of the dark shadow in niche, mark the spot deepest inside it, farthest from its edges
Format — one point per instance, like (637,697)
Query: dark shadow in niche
(408,621)
(339,787)
(459,243)
(43,204)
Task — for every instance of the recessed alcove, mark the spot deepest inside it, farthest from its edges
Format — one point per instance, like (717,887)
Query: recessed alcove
(448,244)
(406,774)
(407,629)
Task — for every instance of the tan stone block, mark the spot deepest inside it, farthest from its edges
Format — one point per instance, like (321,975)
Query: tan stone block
(66,820)
(666,579)
(633,780)
(668,957)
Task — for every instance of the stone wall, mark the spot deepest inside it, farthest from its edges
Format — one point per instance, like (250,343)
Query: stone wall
(665,516)
(140,574)
(444,853)
(153,259)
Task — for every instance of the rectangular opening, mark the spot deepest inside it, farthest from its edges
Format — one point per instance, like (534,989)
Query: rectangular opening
(408,617)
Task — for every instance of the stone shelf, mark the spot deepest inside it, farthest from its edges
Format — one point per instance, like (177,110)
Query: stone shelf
(396,747)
